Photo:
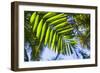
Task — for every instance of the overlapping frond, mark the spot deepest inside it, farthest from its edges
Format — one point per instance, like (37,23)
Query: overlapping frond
(57,31)
(51,29)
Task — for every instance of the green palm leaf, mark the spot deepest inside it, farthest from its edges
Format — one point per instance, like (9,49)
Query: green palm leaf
(52,29)
(53,36)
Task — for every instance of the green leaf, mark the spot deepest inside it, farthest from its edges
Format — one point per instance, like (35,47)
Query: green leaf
(36,23)
(47,36)
(60,25)
(32,17)
(64,31)
(39,28)
(49,14)
(51,36)
(43,32)
(55,17)
(53,41)
(56,22)
(52,29)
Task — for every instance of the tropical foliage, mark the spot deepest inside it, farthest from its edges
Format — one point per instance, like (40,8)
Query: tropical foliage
(59,31)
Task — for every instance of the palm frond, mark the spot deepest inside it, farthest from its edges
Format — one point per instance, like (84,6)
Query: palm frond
(53,30)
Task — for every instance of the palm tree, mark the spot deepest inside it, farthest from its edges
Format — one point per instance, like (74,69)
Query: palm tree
(55,30)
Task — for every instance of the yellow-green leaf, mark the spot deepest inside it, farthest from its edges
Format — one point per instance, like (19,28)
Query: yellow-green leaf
(43,32)
(55,17)
(47,36)
(39,28)
(36,23)
(33,17)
